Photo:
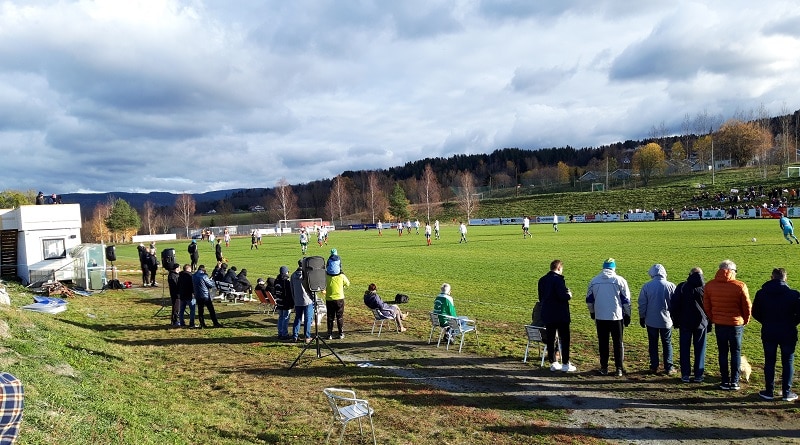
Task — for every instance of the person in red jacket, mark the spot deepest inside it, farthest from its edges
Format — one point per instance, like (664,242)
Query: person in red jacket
(727,304)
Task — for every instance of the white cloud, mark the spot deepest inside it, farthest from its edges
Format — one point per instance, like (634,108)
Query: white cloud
(196,95)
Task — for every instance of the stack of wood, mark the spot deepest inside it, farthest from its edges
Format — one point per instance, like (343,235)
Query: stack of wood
(57,288)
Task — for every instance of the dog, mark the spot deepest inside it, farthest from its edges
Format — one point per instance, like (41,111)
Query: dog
(745,369)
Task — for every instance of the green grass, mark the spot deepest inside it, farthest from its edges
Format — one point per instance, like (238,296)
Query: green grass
(107,371)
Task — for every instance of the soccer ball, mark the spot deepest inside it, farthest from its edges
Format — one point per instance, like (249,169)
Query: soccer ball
(753,240)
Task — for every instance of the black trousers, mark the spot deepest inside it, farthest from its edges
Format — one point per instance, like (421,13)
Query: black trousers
(604,329)
(563,337)
(335,310)
(201,304)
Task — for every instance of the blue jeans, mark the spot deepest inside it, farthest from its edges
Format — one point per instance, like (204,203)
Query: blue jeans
(787,363)
(283,322)
(729,341)
(653,335)
(306,313)
(693,338)
(192,308)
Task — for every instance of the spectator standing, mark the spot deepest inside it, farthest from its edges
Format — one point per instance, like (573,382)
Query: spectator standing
(303,304)
(40,199)
(788,230)
(174,292)
(283,296)
(727,304)
(609,302)
(655,301)
(777,307)
(462,229)
(152,266)
(142,251)
(202,293)
(186,294)
(373,301)
(690,318)
(218,251)
(334,302)
(194,255)
(554,296)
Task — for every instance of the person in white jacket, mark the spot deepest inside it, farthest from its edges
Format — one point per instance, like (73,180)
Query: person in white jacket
(609,301)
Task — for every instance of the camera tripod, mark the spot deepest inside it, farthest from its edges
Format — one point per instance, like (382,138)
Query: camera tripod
(317,339)
(164,300)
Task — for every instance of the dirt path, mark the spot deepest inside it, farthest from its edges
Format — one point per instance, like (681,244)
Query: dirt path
(638,408)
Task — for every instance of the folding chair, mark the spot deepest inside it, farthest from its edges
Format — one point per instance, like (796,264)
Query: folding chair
(434,325)
(347,407)
(265,298)
(536,335)
(379,317)
(459,326)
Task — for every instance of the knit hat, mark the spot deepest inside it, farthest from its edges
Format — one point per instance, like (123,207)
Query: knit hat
(609,263)
(284,270)
(334,252)
(194,240)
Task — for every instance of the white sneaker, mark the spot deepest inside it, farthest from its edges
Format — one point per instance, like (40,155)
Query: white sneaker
(555,366)
(568,367)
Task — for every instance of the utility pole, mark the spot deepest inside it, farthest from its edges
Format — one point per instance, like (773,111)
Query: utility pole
(713,167)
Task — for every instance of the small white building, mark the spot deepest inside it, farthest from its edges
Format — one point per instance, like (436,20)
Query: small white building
(36,240)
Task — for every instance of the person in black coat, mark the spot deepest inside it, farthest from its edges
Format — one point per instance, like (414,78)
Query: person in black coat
(283,296)
(777,307)
(554,296)
(194,255)
(152,266)
(174,292)
(691,320)
(243,283)
(143,264)
(186,294)
(230,276)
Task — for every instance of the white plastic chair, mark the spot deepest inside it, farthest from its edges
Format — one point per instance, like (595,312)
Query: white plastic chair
(379,318)
(459,326)
(347,407)
(536,335)
(434,325)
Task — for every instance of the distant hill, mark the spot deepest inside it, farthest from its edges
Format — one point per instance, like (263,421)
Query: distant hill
(88,201)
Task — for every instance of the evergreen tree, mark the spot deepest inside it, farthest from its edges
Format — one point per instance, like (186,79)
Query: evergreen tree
(398,203)
(123,219)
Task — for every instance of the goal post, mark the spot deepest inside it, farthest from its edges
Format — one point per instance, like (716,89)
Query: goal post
(598,187)
(295,224)
(792,168)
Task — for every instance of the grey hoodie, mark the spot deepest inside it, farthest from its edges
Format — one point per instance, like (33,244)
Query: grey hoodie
(655,299)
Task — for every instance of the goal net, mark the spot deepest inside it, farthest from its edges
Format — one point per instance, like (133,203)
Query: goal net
(295,224)
(598,187)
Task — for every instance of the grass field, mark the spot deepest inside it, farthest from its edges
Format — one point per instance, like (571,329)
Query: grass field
(107,371)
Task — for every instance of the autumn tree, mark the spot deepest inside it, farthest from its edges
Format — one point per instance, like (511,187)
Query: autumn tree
(648,161)
(286,199)
(677,152)
(123,221)
(563,172)
(185,207)
(398,203)
(95,230)
(742,140)
(430,190)
(10,199)
(339,199)
(467,196)
(702,149)
(374,197)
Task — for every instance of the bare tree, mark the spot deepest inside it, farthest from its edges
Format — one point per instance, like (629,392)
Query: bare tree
(149,216)
(339,198)
(467,196)
(430,190)
(782,148)
(374,197)
(184,211)
(686,131)
(287,200)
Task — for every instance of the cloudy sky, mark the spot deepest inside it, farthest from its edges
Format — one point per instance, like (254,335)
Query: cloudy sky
(200,95)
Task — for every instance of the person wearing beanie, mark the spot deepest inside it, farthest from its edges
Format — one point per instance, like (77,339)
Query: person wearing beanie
(609,301)
(334,302)
(655,306)
(194,255)
(334,264)
(283,296)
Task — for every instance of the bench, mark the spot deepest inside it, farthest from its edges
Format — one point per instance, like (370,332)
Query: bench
(228,292)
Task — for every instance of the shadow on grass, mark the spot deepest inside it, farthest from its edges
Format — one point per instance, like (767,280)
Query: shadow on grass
(670,434)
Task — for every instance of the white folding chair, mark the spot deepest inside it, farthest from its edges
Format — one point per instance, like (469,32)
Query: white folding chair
(379,318)
(347,407)
(536,335)
(434,325)
(459,326)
